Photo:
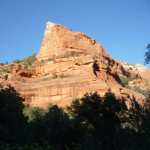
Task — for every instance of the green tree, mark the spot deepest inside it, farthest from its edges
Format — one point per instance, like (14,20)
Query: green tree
(53,128)
(29,60)
(147,55)
(57,127)
(12,120)
(2,64)
(17,61)
(99,117)
(33,113)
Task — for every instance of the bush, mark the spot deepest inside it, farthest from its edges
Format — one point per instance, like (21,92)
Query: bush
(42,61)
(6,71)
(54,76)
(33,113)
(64,76)
(29,60)
(66,56)
(73,54)
(124,81)
(17,61)
(138,90)
(132,78)
(49,59)
(1,64)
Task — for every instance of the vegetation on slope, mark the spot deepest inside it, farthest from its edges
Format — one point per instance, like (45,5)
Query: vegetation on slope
(125,83)
(6,71)
(29,60)
(2,64)
(92,122)
(32,59)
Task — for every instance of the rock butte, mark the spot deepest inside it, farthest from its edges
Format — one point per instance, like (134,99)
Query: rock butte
(74,64)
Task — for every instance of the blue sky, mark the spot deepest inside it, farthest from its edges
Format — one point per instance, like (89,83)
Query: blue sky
(122,27)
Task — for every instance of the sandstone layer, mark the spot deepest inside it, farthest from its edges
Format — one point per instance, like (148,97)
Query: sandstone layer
(68,65)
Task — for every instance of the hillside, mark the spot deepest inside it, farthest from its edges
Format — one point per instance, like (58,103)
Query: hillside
(70,64)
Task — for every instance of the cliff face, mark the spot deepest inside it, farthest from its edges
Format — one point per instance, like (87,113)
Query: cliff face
(59,41)
(138,68)
(69,65)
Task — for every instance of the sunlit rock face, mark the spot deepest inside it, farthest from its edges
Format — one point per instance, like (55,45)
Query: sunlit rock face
(139,69)
(49,27)
(69,65)
(58,40)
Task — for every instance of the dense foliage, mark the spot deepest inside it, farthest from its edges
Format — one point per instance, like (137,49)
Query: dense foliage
(125,83)
(147,55)
(90,123)
(2,64)
(12,120)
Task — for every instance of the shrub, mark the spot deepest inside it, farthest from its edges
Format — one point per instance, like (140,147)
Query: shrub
(49,59)
(29,60)
(74,54)
(33,113)
(132,78)
(124,81)
(61,76)
(42,61)
(17,61)
(1,64)
(146,83)
(6,71)
(44,79)
(138,90)
(66,56)
(64,76)
(54,76)
(129,87)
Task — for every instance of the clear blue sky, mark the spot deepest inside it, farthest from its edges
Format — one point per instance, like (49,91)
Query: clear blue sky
(122,27)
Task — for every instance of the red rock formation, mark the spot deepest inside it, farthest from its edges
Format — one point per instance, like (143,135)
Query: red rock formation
(58,41)
(78,65)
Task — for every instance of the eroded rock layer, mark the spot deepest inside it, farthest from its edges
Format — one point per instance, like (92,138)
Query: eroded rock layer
(69,65)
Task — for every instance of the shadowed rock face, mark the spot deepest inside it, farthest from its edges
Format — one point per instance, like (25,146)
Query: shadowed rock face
(77,64)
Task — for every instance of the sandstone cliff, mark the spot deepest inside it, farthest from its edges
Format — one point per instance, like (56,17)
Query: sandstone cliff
(68,65)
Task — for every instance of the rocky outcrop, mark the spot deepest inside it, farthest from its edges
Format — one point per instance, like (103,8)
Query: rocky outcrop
(69,65)
(139,69)
(60,41)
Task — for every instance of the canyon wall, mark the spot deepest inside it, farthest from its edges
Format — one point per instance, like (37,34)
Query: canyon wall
(69,65)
